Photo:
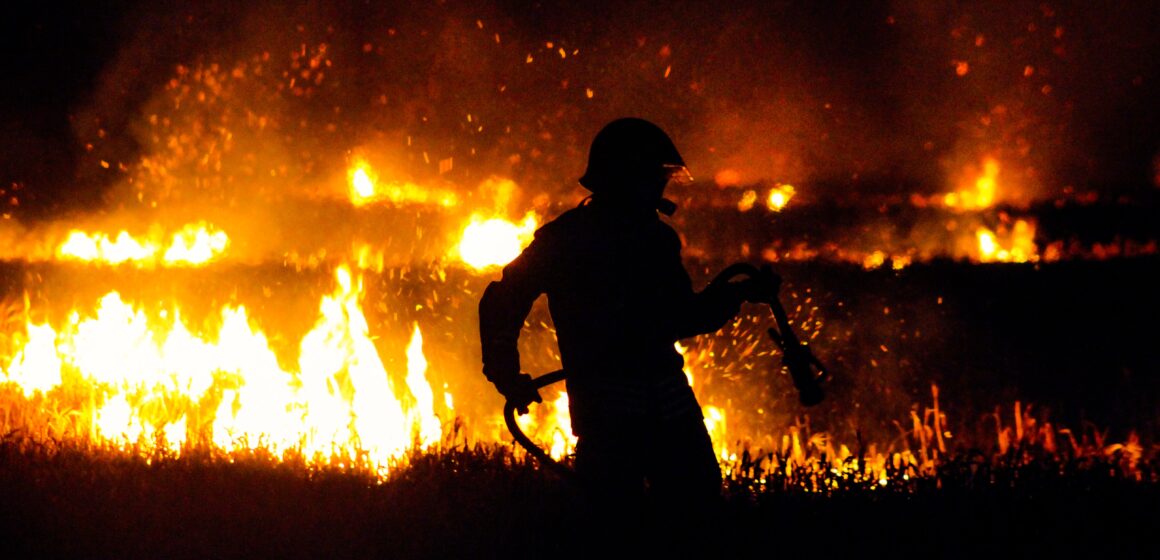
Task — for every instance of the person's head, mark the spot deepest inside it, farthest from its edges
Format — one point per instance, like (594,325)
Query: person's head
(631,161)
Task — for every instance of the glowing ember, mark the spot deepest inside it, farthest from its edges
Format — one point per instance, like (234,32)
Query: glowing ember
(194,245)
(779,196)
(748,199)
(874,260)
(495,241)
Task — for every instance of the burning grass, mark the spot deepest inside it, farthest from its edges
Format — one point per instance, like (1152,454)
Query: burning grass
(198,368)
(890,335)
(885,468)
(73,499)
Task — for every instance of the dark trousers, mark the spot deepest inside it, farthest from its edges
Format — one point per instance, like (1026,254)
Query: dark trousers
(657,481)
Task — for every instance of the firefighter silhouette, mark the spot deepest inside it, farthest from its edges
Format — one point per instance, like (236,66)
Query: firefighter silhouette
(620,298)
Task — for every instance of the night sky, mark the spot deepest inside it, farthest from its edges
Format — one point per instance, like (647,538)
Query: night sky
(876,96)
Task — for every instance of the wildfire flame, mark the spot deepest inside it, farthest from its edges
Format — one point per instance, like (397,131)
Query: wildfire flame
(778,197)
(748,199)
(1016,245)
(361,184)
(495,241)
(139,378)
(193,245)
(714,416)
(981,194)
(550,424)
(150,379)
(366,187)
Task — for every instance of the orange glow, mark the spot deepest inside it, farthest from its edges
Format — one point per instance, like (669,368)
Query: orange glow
(362,185)
(981,192)
(715,424)
(495,242)
(139,373)
(874,260)
(563,441)
(153,380)
(1016,245)
(366,187)
(194,245)
(779,196)
(714,416)
(727,178)
(550,425)
(748,199)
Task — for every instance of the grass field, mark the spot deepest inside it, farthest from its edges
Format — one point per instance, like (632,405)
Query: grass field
(1013,481)
(67,500)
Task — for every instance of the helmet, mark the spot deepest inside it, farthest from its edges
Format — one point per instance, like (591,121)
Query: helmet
(628,151)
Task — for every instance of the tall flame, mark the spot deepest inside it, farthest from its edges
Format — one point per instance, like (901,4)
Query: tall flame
(151,379)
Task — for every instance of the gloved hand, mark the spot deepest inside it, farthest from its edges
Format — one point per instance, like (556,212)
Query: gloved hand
(762,288)
(519,390)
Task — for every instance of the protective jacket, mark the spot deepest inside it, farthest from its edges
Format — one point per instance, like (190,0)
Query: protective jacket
(620,298)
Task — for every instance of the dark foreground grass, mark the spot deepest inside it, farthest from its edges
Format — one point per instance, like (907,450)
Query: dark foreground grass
(65,501)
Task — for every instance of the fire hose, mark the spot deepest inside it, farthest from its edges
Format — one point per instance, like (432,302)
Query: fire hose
(805,369)
(509,417)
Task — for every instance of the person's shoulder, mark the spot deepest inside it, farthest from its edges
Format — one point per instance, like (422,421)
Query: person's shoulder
(667,233)
(567,224)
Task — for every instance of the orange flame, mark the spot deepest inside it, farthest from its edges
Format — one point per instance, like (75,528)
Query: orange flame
(193,245)
(981,193)
(1016,245)
(152,380)
(779,196)
(495,242)
(366,187)
(550,425)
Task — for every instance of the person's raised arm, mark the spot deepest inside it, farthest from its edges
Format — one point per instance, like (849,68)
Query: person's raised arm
(708,310)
